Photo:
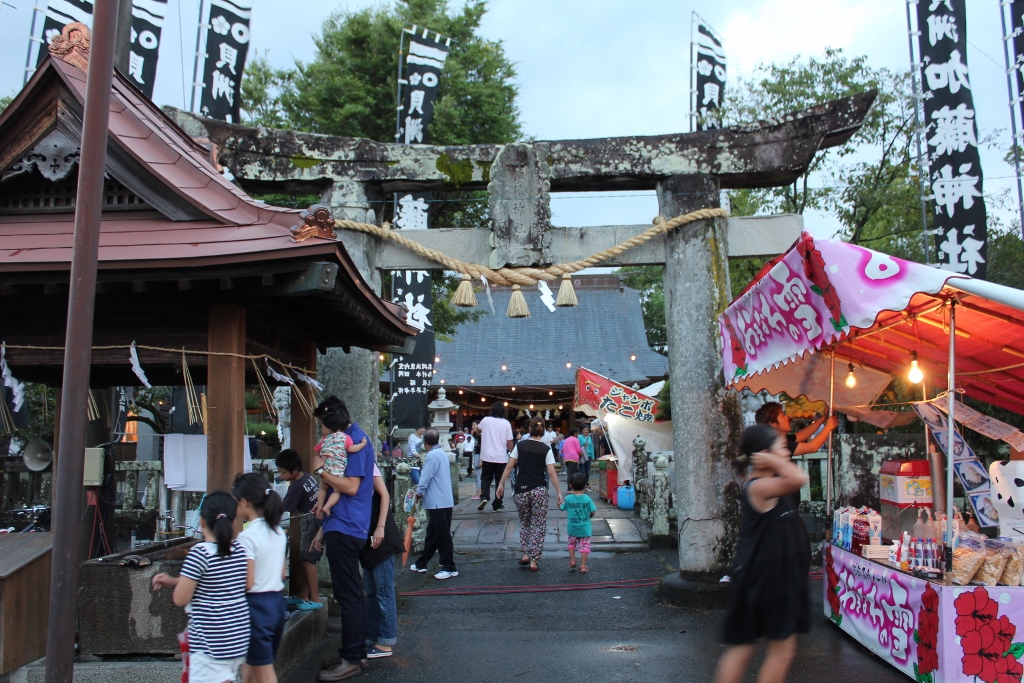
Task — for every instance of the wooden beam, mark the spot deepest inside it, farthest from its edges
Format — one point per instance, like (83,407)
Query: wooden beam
(225,426)
(303,438)
(318,277)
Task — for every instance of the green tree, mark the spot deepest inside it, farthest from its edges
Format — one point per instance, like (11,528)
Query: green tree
(649,281)
(349,88)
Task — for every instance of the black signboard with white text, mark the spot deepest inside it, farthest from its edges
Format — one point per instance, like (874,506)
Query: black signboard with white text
(426,53)
(413,372)
(226,44)
(147,25)
(710,68)
(954,165)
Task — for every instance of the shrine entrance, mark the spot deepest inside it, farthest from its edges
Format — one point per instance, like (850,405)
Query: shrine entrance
(693,238)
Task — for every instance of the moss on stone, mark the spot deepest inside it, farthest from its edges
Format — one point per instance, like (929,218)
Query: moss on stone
(302,161)
(485,171)
(457,173)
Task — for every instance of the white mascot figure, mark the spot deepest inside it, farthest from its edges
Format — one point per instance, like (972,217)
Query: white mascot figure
(1008,488)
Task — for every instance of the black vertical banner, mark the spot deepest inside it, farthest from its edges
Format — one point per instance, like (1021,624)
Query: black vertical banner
(425,54)
(414,372)
(710,69)
(147,24)
(424,59)
(60,13)
(225,46)
(951,134)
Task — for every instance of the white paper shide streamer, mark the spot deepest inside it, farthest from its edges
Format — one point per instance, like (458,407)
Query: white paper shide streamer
(309,380)
(137,368)
(278,376)
(16,387)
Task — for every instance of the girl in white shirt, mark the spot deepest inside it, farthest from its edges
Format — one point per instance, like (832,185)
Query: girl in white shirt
(265,544)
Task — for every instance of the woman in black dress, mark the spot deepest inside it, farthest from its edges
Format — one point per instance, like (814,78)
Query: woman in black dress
(769,576)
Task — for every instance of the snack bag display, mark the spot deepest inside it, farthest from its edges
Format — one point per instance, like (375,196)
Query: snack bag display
(997,554)
(1014,570)
(966,563)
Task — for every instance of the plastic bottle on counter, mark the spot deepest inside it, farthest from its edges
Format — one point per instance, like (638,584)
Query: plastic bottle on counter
(919,529)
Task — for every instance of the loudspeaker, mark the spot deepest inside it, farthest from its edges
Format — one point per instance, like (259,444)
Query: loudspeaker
(37,455)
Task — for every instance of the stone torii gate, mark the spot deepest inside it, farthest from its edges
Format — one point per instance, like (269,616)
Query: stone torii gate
(354,178)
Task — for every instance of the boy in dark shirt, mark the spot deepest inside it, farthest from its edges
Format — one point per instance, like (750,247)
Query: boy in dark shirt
(299,501)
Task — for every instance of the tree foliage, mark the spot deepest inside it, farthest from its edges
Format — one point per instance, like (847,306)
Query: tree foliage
(349,89)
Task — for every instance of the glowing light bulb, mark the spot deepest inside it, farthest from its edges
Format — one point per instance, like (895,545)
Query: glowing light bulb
(513,388)
(504,367)
(915,375)
(442,381)
(560,407)
(437,359)
(505,404)
(632,356)
(435,372)
(551,393)
(460,392)
(531,406)
(472,381)
(483,400)
(381,358)
(568,364)
(851,379)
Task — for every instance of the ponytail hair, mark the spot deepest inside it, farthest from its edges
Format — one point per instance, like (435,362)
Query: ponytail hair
(254,488)
(218,511)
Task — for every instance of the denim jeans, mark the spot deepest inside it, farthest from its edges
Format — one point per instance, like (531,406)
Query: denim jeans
(381,606)
(585,469)
(342,553)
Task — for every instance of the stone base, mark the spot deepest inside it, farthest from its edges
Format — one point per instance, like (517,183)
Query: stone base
(702,591)
(302,632)
(661,541)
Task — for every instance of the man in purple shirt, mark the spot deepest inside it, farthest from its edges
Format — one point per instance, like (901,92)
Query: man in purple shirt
(344,534)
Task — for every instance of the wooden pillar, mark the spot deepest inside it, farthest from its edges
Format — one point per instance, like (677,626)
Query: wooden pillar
(53,463)
(225,426)
(706,422)
(303,438)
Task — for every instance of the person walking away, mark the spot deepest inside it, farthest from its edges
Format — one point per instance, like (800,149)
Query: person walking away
(531,459)
(769,592)
(299,502)
(495,445)
(266,545)
(378,561)
(213,582)
(571,453)
(344,534)
(579,509)
(435,488)
(586,454)
(475,431)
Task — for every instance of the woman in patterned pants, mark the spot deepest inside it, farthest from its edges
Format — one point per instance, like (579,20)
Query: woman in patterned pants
(534,459)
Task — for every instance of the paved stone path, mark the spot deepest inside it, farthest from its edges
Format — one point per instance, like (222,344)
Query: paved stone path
(476,530)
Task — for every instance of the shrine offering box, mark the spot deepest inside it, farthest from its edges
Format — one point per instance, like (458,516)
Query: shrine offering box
(903,486)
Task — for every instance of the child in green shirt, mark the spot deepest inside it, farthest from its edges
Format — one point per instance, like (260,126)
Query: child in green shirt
(580,509)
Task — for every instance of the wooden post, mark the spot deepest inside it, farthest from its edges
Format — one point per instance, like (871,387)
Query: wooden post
(225,427)
(302,441)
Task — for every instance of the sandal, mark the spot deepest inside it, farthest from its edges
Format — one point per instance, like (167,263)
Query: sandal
(583,570)
(534,566)
(572,565)
(523,561)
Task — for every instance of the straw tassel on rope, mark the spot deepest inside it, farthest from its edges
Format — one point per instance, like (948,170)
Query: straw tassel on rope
(566,293)
(517,307)
(464,296)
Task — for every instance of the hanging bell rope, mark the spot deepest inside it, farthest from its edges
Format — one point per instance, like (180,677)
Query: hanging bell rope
(526,277)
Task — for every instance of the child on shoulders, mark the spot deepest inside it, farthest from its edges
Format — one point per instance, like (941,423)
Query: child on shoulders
(332,457)
(580,509)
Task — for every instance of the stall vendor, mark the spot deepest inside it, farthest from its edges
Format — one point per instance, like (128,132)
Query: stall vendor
(803,441)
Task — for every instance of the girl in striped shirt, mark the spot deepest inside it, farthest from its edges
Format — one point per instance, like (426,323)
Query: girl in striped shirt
(211,587)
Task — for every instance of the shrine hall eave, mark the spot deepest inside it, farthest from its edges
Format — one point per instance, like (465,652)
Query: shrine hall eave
(764,153)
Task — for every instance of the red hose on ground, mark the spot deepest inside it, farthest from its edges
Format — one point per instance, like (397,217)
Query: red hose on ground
(547,588)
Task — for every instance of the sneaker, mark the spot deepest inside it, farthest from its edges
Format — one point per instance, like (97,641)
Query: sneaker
(308,605)
(335,661)
(294,600)
(375,653)
(443,574)
(414,568)
(482,505)
(499,508)
(340,672)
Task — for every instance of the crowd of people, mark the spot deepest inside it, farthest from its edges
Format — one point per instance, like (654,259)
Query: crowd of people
(232,583)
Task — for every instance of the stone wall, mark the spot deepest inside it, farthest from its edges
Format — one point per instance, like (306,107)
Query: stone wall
(858,459)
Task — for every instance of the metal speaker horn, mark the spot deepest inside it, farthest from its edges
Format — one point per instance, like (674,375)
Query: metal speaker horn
(37,455)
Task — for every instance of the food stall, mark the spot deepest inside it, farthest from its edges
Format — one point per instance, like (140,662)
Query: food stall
(825,304)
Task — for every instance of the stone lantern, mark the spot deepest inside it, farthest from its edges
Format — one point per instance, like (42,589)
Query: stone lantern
(440,409)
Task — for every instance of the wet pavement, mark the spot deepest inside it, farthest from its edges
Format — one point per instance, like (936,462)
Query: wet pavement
(476,530)
(608,634)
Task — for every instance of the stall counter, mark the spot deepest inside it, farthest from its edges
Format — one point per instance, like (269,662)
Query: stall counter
(914,623)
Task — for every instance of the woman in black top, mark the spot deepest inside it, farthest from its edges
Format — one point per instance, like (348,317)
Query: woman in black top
(534,459)
(769,577)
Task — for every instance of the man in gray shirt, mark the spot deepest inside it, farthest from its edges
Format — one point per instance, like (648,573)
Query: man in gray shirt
(435,489)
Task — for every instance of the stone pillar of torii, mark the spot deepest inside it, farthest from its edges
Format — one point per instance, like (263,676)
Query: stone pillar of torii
(687,171)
